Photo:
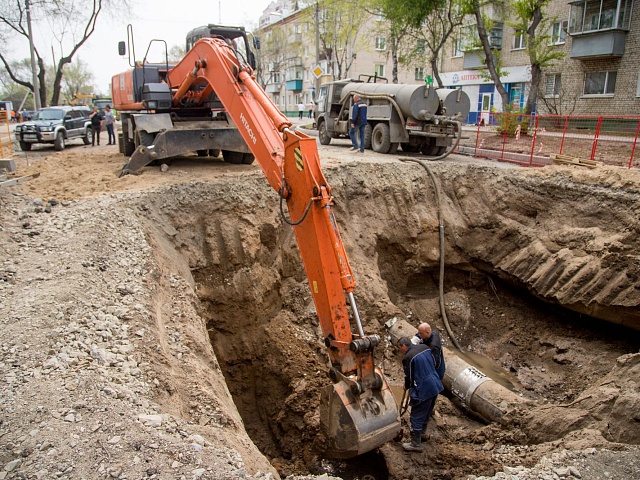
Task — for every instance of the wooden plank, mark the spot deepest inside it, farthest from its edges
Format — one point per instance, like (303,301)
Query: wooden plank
(15,181)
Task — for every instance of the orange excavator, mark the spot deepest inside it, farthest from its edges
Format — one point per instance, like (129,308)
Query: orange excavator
(358,412)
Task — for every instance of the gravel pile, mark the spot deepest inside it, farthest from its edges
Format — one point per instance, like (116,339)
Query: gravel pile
(588,464)
(76,395)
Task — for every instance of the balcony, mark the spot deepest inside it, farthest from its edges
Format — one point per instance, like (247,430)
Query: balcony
(273,88)
(474,60)
(599,28)
(473,53)
(293,85)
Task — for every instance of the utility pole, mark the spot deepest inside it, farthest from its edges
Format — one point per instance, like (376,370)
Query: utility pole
(316,87)
(34,73)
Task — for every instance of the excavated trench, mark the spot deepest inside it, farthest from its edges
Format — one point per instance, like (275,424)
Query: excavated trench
(528,257)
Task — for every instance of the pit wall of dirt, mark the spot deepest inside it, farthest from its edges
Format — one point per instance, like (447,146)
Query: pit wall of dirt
(569,236)
(566,241)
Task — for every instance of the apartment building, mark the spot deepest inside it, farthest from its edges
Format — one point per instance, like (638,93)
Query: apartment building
(599,73)
(291,67)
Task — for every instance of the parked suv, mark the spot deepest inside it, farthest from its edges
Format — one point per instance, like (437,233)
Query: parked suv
(55,125)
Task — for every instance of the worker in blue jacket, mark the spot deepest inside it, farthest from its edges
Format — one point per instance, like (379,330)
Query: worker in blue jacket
(431,338)
(358,122)
(424,385)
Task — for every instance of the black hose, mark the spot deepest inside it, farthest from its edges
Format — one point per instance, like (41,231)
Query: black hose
(284,217)
(443,311)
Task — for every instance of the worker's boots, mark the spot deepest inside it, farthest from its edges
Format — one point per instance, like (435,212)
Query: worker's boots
(424,435)
(415,444)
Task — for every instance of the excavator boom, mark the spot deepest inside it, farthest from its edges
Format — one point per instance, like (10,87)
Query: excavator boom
(358,412)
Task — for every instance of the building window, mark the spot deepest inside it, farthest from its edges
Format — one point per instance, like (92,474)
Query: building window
(520,40)
(599,83)
(379,15)
(558,33)
(421,46)
(552,86)
(381,43)
(458,47)
(379,69)
(495,36)
(419,73)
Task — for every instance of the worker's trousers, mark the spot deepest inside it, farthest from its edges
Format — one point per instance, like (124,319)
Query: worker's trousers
(112,135)
(420,411)
(354,132)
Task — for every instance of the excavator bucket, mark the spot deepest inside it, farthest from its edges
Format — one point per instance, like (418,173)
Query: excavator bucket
(355,424)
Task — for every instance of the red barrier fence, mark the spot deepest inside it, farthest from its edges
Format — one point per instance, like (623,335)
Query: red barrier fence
(531,139)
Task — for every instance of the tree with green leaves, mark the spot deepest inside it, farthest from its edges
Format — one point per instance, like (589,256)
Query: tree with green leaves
(77,79)
(395,28)
(484,25)
(423,28)
(71,23)
(528,18)
(10,90)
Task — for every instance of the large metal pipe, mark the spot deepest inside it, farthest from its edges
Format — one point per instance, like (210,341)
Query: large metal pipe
(468,386)
(412,99)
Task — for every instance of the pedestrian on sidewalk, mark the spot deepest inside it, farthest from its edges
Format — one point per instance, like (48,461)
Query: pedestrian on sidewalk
(110,121)
(300,110)
(424,385)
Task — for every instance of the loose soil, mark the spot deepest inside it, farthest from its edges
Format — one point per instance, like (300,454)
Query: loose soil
(160,325)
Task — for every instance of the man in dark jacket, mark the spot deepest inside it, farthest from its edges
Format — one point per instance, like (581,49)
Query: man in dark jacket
(424,385)
(96,125)
(358,123)
(431,338)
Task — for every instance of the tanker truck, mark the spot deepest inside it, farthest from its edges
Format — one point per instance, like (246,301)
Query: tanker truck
(417,118)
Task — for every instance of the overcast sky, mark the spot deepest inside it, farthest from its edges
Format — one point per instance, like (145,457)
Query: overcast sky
(153,19)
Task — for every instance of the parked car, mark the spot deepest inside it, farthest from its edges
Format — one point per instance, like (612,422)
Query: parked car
(55,125)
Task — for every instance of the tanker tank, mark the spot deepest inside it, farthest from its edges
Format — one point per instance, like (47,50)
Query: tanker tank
(418,101)
(454,102)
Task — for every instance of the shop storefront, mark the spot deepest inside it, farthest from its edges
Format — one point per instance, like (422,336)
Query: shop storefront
(483,94)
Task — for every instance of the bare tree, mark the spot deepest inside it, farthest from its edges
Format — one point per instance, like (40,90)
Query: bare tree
(72,23)
(77,79)
(339,27)
(434,33)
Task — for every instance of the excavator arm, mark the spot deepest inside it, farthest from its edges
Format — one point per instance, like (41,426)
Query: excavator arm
(358,412)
